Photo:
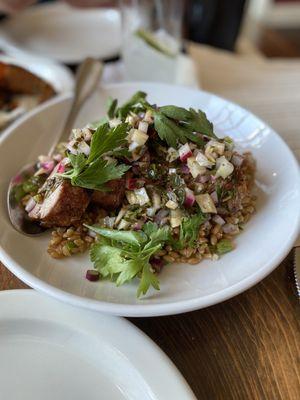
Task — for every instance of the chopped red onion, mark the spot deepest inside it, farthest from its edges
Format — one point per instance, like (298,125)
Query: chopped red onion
(135,170)
(61,168)
(213,178)
(202,178)
(222,211)
(189,198)
(214,197)
(185,169)
(137,226)
(185,152)
(17,179)
(157,263)
(230,228)
(237,160)
(218,220)
(30,205)
(160,216)
(47,166)
(206,225)
(92,275)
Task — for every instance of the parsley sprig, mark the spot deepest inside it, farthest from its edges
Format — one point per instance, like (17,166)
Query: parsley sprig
(124,255)
(93,172)
(173,124)
(189,231)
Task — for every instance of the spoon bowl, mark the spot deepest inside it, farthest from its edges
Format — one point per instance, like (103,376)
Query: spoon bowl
(87,78)
(17,214)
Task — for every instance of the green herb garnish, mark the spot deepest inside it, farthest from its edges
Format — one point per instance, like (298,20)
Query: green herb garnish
(189,231)
(173,124)
(93,172)
(135,104)
(178,124)
(224,246)
(124,255)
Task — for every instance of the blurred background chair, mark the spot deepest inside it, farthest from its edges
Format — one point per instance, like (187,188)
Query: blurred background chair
(214,22)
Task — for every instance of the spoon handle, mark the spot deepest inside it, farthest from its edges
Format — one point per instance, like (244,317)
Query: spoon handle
(87,78)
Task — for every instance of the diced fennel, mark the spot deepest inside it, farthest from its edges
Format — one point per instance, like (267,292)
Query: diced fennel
(206,203)
(142,196)
(171,204)
(156,200)
(213,146)
(143,126)
(137,196)
(176,218)
(203,161)
(123,224)
(131,197)
(194,167)
(172,154)
(139,137)
(224,167)
(129,136)
(148,117)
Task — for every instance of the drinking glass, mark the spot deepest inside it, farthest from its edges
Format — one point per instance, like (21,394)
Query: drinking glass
(151,32)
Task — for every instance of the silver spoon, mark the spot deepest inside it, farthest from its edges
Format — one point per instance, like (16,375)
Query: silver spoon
(87,77)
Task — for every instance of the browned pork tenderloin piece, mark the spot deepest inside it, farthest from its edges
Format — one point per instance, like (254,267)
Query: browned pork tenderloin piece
(112,199)
(62,206)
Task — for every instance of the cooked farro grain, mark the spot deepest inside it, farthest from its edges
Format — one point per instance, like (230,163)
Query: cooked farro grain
(66,242)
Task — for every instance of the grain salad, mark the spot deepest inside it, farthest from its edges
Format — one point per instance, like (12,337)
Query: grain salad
(144,187)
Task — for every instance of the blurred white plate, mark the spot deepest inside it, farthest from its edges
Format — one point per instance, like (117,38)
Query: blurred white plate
(63,33)
(266,240)
(57,75)
(53,351)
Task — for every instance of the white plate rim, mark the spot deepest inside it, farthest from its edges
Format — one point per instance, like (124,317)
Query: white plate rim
(12,48)
(121,325)
(149,310)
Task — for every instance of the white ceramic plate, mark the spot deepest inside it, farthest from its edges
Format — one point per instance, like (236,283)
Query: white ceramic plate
(264,243)
(63,33)
(54,351)
(59,76)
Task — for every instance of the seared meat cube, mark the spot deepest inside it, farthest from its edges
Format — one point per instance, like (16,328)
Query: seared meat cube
(62,206)
(112,199)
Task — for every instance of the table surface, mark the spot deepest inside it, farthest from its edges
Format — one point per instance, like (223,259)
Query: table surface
(247,347)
